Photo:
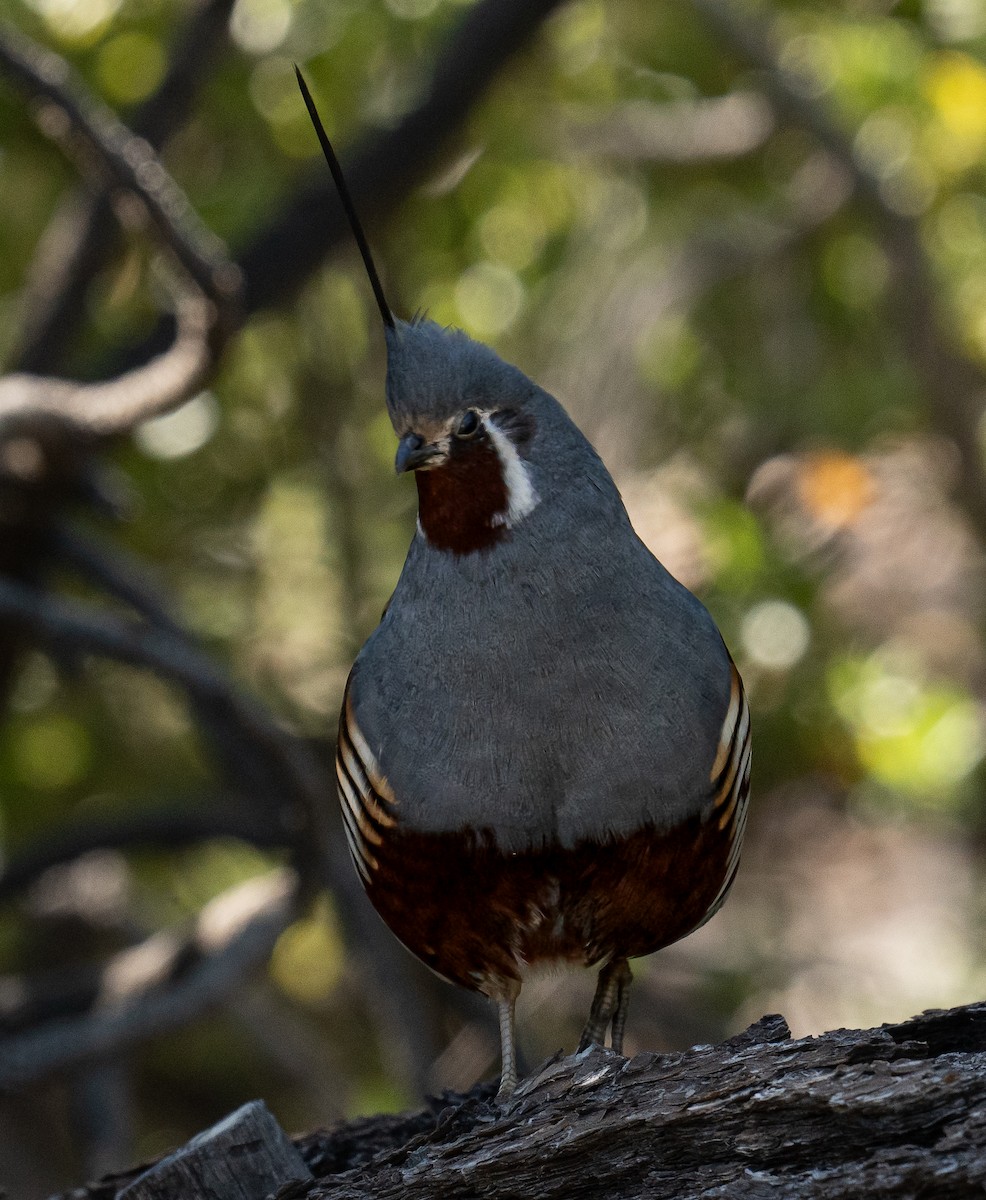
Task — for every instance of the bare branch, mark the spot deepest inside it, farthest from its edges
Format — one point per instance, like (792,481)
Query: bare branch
(128,161)
(150,989)
(27,402)
(166,826)
(174,658)
(112,570)
(245,765)
(203,319)
(82,233)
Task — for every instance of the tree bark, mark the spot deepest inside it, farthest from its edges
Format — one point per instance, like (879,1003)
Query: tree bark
(891,1112)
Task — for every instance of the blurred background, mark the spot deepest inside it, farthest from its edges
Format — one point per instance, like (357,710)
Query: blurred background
(748,253)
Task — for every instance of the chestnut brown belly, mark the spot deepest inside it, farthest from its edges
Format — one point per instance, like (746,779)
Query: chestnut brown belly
(473,913)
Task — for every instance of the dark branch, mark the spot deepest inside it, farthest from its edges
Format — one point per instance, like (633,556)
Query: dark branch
(384,168)
(89,631)
(150,989)
(165,827)
(245,765)
(126,160)
(82,234)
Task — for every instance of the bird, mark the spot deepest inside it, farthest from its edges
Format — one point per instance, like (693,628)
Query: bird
(544,747)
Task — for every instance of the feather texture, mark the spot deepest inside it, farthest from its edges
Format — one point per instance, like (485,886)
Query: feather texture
(559,685)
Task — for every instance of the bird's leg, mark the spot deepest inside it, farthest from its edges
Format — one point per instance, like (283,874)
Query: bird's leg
(608,1004)
(505,1005)
(623,978)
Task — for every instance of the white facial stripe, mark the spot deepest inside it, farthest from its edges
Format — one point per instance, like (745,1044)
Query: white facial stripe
(522,499)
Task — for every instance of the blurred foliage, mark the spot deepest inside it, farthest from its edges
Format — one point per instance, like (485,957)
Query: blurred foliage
(738,362)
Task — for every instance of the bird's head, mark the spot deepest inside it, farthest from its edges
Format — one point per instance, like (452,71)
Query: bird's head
(464,423)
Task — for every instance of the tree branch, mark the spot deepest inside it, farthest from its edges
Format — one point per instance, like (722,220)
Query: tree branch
(167,826)
(128,162)
(174,658)
(82,233)
(163,983)
(387,164)
(30,402)
(204,316)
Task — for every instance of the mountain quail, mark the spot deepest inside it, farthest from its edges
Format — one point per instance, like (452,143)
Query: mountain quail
(544,747)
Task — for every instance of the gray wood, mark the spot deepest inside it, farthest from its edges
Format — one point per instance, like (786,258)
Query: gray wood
(247,1156)
(897,1113)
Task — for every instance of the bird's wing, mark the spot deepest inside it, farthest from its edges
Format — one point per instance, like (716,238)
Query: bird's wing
(367,800)
(730,779)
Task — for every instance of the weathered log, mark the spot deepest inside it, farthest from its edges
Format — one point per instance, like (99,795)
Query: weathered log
(245,1157)
(894,1112)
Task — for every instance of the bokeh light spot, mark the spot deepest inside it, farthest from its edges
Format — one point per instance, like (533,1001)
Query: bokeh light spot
(274,91)
(956,20)
(669,353)
(835,487)
(855,270)
(512,235)
(919,737)
(180,433)
(52,752)
(489,298)
(260,26)
(811,59)
(775,634)
(76,20)
(130,67)
(956,88)
(307,959)
(577,33)
(735,545)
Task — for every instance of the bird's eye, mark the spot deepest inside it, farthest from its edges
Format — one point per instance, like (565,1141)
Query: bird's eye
(469,424)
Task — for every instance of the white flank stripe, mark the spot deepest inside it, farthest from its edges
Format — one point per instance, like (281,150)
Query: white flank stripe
(743,774)
(352,763)
(368,760)
(522,499)
(368,802)
(726,736)
(744,728)
(354,854)
(357,847)
(348,795)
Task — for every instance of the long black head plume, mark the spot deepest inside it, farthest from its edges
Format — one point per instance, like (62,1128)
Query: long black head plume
(347,203)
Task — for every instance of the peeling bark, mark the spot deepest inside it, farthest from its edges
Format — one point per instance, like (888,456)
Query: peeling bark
(891,1112)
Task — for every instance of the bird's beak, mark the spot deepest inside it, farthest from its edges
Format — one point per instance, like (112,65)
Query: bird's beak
(414,452)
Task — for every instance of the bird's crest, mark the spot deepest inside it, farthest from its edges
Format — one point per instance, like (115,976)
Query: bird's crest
(347,203)
(431,370)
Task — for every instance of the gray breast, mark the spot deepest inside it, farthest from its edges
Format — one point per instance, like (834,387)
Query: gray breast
(562,686)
